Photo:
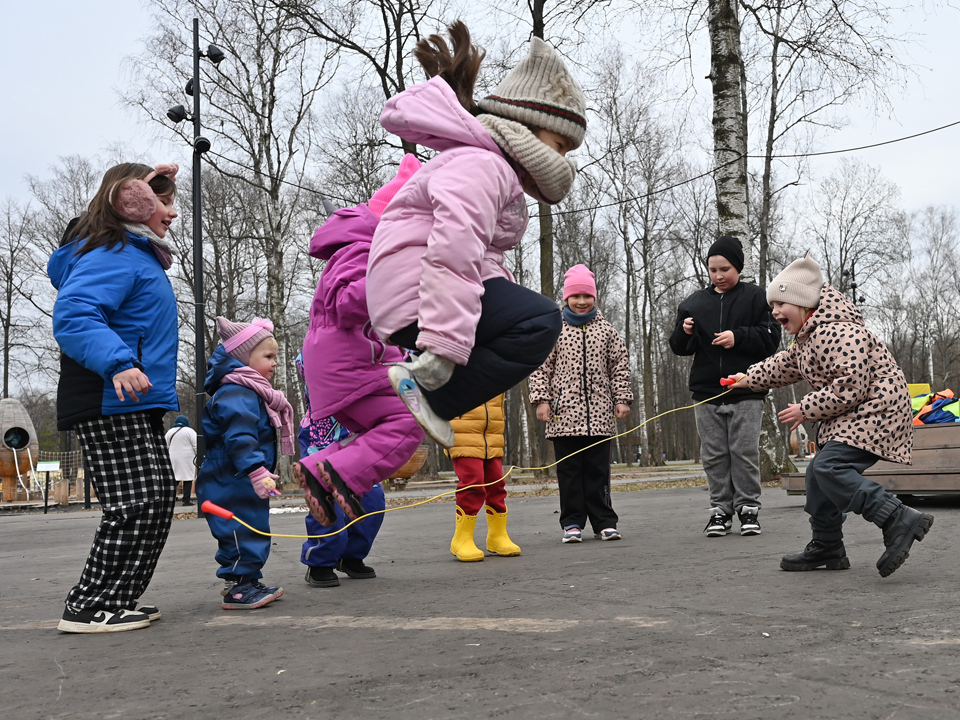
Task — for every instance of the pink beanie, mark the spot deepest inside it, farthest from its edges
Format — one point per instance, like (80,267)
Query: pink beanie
(239,339)
(578,280)
(382,197)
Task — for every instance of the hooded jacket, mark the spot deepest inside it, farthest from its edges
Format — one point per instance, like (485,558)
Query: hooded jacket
(115,310)
(447,229)
(859,395)
(756,335)
(343,358)
(236,428)
(479,433)
(585,376)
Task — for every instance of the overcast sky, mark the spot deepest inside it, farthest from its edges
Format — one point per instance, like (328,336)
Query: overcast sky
(61,67)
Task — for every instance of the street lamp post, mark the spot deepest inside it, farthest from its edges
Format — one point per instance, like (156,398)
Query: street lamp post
(200,145)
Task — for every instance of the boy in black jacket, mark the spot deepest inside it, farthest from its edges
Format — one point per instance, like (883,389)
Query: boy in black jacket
(727,327)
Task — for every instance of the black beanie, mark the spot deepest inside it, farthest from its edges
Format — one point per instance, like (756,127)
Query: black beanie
(728,247)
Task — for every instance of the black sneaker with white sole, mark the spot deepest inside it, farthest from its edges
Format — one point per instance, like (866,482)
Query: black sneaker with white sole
(719,523)
(151,611)
(101,621)
(749,522)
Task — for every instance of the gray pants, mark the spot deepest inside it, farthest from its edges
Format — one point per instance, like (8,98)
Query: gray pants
(836,485)
(730,450)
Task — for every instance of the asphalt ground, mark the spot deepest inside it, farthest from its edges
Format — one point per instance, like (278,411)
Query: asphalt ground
(664,623)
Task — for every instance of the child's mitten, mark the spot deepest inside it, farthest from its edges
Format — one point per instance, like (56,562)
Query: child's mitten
(264,483)
(432,371)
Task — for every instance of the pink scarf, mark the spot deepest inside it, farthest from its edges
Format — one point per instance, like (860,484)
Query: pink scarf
(278,409)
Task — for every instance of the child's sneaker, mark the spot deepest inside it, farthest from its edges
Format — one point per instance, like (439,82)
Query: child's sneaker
(355,569)
(719,523)
(248,595)
(151,611)
(321,577)
(277,591)
(346,498)
(406,387)
(319,500)
(749,523)
(608,534)
(572,535)
(101,621)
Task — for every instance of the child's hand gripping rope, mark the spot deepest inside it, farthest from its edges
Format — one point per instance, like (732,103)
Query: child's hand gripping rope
(212,509)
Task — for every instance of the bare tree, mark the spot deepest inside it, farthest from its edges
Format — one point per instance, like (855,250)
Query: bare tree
(258,106)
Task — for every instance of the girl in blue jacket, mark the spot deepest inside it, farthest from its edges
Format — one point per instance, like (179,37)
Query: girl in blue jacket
(240,424)
(115,320)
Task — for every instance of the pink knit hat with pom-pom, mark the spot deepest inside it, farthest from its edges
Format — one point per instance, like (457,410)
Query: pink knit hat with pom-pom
(239,339)
(382,197)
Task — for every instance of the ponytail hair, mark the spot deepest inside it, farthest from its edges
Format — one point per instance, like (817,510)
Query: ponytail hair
(459,68)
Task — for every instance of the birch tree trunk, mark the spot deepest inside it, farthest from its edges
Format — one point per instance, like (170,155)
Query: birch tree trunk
(729,128)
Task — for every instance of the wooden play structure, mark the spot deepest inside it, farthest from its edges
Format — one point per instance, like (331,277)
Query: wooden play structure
(935,469)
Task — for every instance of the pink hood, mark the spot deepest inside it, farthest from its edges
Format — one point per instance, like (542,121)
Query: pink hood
(447,229)
(343,359)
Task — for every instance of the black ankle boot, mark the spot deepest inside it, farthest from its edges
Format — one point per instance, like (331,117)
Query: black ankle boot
(355,569)
(817,554)
(321,577)
(899,531)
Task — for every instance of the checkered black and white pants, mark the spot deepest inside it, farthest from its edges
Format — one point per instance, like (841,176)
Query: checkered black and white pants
(130,469)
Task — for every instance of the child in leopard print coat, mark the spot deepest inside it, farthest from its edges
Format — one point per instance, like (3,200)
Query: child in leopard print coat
(861,400)
(579,391)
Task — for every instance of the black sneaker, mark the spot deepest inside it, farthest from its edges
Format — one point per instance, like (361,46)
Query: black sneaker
(749,523)
(101,621)
(817,554)
(321,577)
(355,569)
(151,611)
(719,523)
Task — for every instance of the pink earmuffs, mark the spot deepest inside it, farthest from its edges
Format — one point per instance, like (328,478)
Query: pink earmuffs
(136,202)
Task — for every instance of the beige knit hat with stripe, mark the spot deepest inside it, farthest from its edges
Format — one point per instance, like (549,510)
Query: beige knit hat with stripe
(798,283)
(541,92)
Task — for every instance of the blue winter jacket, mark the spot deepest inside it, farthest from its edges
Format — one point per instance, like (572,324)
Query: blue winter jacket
(115,310)
(236,428)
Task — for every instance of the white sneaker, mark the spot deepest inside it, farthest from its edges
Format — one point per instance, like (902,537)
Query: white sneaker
(406,387)
(101,621)
(608,534)
(573,535)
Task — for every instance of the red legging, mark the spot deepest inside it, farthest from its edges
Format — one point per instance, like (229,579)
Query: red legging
(474,471)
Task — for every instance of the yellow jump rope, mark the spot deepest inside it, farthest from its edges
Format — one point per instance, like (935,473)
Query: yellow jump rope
(212,509)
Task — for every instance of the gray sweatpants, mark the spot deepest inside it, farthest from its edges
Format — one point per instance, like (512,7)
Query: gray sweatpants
(730,450)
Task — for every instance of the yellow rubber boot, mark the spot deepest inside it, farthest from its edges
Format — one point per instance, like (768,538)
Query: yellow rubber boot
(498,542)
(462,544)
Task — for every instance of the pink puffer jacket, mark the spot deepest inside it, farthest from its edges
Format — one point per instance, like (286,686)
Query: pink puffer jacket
(447,229)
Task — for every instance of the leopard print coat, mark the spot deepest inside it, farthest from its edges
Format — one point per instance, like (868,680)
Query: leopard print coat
(586,374)
(859,395)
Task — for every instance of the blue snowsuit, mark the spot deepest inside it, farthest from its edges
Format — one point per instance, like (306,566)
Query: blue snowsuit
(355,543)
(239,439)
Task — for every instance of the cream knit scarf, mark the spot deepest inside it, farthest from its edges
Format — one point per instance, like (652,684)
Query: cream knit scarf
(164,251)
(552,172)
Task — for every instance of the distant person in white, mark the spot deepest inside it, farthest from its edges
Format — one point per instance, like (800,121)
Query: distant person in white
(182,441)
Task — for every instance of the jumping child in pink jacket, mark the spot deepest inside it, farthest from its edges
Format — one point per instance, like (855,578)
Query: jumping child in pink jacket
(437,282)
(344,367)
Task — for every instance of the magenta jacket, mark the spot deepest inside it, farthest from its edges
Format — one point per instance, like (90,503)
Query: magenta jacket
(447,229)
(342,355)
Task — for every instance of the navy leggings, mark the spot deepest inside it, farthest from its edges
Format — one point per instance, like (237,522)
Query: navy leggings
(516,332)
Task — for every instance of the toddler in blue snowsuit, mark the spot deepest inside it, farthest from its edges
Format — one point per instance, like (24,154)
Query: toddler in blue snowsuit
(344,551)
(240,424)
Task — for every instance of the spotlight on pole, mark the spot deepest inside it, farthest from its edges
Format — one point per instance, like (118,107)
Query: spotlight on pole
(215,54)
(178,113)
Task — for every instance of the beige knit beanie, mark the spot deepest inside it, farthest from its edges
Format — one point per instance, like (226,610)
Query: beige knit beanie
(798,283)
(239,339)
(541,92)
